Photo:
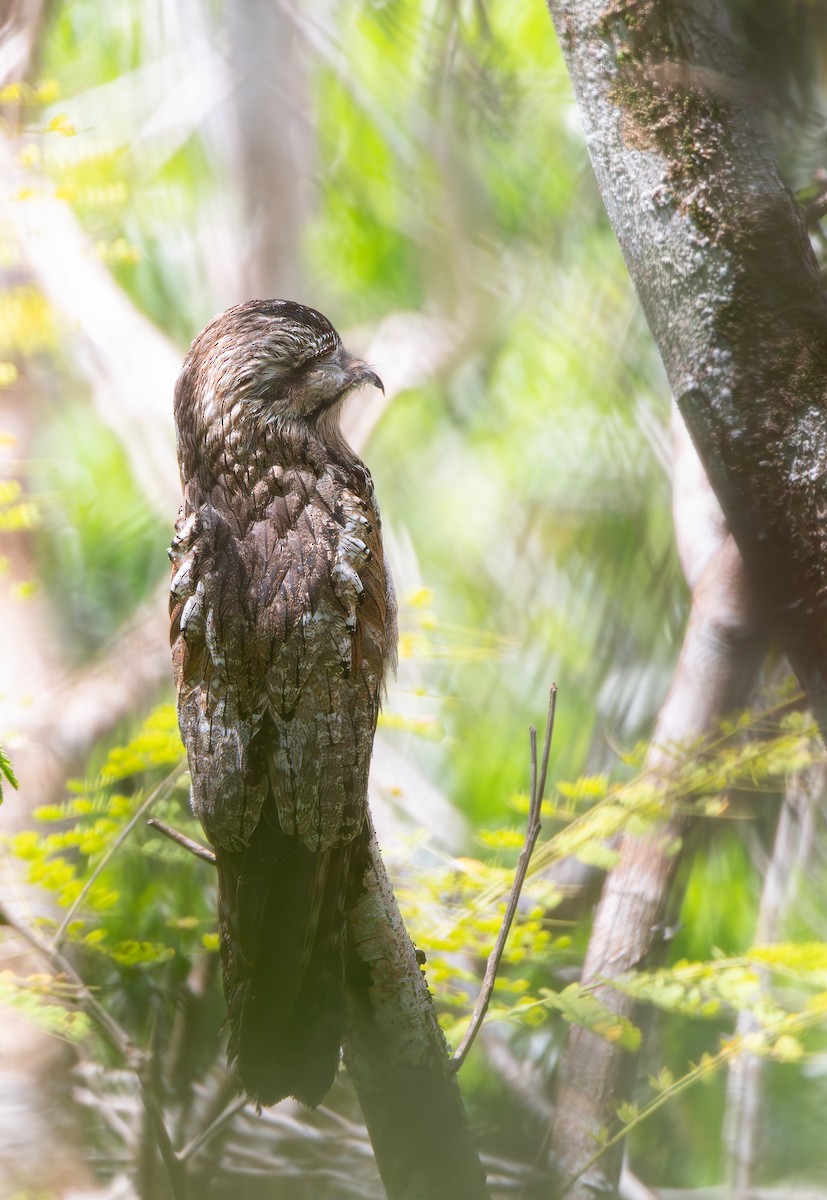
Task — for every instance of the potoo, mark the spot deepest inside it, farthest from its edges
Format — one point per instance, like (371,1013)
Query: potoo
(283,631)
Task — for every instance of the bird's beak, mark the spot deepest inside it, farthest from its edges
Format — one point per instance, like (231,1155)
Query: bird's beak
(365,375)
(357,371)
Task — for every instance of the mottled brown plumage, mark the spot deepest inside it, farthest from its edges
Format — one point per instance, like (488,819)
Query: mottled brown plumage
(283,630)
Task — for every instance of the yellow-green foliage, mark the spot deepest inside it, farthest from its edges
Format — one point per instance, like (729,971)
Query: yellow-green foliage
(42,1000)
(27,324)
(157,745)
(744,984)
(102,866)
(455,912)
(99,861)
(16,513)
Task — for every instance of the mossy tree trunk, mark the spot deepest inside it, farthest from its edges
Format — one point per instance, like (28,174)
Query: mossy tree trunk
(719,253)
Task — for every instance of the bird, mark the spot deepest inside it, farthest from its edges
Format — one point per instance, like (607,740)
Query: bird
(283,634)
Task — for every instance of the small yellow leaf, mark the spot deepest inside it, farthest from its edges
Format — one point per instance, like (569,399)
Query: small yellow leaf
(61,124)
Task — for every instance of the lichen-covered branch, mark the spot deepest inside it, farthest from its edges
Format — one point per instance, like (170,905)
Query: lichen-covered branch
(398,1059)
(719,254)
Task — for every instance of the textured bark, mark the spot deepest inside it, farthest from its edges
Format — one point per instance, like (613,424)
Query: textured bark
(719,254)
(398,1059)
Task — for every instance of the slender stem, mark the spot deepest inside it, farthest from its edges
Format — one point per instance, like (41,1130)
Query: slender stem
(552,709)
(114,1036)
(162,789)
(532,833)
(181,839)
(223,1118)
(175,1168)
(111,1032)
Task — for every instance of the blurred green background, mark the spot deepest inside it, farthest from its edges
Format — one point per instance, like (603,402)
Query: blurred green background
(372,159)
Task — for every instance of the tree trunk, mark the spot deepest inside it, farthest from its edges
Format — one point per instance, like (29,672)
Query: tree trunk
(719,253)
(274,147)
(398,1059)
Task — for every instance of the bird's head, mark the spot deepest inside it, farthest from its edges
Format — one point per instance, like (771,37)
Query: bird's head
(264,369)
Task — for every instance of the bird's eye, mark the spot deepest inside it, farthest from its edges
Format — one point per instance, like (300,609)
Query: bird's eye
(304,364)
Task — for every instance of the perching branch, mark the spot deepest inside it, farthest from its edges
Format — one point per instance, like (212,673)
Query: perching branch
(538,787)
(398,1060)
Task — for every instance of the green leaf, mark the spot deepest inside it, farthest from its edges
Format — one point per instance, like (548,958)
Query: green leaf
(627,1112)
(7,772)
(40,1000)
(502,839)
(583,1008)
(663,1081)
(140,954)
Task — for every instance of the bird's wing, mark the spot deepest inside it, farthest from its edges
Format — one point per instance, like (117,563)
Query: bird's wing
(281,630)
(210,636)
(318,607)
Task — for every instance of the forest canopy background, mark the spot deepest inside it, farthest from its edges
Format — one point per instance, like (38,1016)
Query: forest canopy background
(417,172)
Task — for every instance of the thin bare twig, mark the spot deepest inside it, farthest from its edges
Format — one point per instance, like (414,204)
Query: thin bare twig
(114,1036)
(112,1033)
(552,708)
(532,832)
(192,1147)
(181,839)
(175,1169)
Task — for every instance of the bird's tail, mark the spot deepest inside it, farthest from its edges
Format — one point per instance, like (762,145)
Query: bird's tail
(282,929)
